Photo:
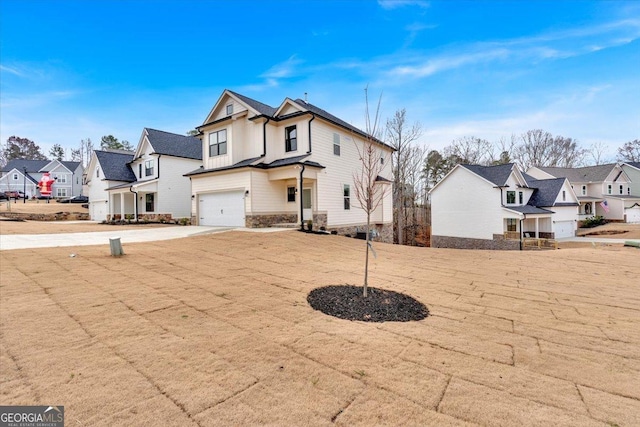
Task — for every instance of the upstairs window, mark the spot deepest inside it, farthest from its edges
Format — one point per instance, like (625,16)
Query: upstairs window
(346,192)
(62,179)
(15,176)
(584,190)
(336,144)
(609,189)
(290,139)
(140,170)
(621,189)
(564,196)
(148,168)
(291,194)
(511,197)
(521,198)
(97,173)
(229,109)
(218,143)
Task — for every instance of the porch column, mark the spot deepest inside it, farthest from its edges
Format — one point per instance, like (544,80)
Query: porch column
(122,206)
(537,227)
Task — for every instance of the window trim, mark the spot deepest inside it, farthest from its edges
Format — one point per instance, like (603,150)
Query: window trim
(621,189)
(15,176)
(290,193)
(149,199)
(513,200)
(609,188)
(584,190)
(336,144)
(290,143)
(512,223)
(520,198)
(148,167)
(229,109)
(346,194)
(218,143)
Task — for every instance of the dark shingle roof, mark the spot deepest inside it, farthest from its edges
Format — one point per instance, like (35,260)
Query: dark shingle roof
(297,160)
(115,165)
(584,174)
(36,165)
(496,174)
(634,164)
(546,191)
(172,144)
(256,105)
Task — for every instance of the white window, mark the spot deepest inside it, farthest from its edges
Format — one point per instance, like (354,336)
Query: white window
(520,198)
(621,189)
(229,109)
(61,192)
(290,138)
(584,190)
(346,192)
(97,173)
(148,168)
(15,176)
(564,196)
(60,179)
(291,194)
(609,189)
(511,197)
(218,143)
(336,144)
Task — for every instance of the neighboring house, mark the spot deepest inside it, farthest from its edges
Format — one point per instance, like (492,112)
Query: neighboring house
(604,190)
(265,166)
(632,169)
(106,168)
(494,207)
(148,183)
(67,176)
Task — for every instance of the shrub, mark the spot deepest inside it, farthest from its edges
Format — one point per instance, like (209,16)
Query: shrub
(593,221)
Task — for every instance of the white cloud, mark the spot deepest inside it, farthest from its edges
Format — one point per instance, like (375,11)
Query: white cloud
(394,4)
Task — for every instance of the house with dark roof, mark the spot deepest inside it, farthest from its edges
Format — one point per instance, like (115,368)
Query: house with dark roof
(632,211)
(24,175)
(289,164)
(495,207)
(147,183)
(604,190)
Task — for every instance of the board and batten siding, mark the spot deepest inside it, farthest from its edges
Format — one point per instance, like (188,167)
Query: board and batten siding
(270,197)
(465,205)
(174,189)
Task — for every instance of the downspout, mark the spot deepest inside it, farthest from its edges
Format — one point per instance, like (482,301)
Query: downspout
(264,138)
(159,155)
(135,202)
(313,116)
(524,216)
(301,201)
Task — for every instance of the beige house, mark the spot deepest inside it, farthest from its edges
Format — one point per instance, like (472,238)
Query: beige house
(289,164)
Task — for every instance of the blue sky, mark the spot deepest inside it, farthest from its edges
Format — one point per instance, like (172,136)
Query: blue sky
(76,69)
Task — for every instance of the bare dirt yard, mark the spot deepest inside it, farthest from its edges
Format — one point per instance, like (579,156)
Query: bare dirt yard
(614,230)
(39,206)
(216,330)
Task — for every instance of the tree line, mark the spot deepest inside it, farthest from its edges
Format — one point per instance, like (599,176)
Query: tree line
(23,148)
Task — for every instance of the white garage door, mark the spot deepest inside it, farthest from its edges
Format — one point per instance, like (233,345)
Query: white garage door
(98,211)
(633,214)
(564,229)
(222,209)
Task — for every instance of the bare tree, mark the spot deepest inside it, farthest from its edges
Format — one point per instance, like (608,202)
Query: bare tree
(596,154)
(630,151)
(471,150)
(82,154)
(400,136)
(540,148)
(368,190)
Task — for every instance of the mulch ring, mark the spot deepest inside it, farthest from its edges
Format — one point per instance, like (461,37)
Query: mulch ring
(380,305)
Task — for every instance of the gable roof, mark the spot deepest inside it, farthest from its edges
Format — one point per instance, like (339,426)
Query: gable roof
(633,164)
(584,174)
(546,191)
(34,166)
(260,107)
(172,144)
(498,174)
(115,165)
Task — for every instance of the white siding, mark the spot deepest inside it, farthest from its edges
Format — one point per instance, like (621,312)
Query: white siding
(234,180)
(465,205)
(270,197)
(174,189)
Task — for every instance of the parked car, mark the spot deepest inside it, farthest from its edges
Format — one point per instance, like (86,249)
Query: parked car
(14,194)
(3,196)
(74,199)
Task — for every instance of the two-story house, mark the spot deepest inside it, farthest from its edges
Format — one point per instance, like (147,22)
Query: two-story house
(632,211)
(289,164)
(494,207)
(148,183)
(24,175)
(603,190)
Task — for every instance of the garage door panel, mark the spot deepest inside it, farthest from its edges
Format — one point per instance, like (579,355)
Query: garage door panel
(633,215)
(222,209)
(564,229)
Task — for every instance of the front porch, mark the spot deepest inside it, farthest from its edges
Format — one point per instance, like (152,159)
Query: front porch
(129,202)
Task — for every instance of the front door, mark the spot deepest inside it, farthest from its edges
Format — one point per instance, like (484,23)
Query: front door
(307,209)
